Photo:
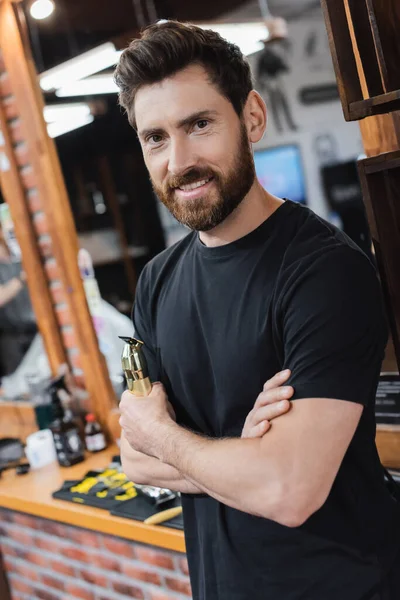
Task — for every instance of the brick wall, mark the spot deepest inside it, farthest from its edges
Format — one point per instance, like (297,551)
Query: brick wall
(22,154)
(46,560)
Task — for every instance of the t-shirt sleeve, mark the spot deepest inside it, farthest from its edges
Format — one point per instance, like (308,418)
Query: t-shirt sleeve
(333,327)
(142,324)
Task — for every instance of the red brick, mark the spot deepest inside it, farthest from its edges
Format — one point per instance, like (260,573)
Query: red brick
(53,582)
(63,315)
(76,554)
(83,537)
(10,108)
(40,223)
(141,574)
(128,590)
(161,596)
(21,537)
(183,565)
(25,520)
(26,571)
(16,131)
(5,85)
(46,246)
(75,591)
(51,545)
(117,547)
(28,177)
(10,565)
(152,557)
(21,553)
(34,201)
(80,383)
(58,293)
(60,567)
(51,269)
(69,338)
(44,595)
(76,360)
(94,578)
(53,528)
(178,585)
(37,559)
(8,550)
(105,562)
(21,586)
(22,155)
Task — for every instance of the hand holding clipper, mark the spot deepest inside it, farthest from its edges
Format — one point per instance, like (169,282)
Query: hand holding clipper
(135,368)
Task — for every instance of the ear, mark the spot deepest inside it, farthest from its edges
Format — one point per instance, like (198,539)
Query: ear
(255,116)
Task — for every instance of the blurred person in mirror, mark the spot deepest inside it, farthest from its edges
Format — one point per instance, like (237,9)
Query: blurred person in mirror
(301,509)
(17,319)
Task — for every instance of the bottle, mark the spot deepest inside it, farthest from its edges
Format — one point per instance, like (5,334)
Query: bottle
(69,447)
(94,436)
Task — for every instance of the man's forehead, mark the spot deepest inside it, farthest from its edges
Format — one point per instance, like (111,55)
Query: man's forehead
(186,92)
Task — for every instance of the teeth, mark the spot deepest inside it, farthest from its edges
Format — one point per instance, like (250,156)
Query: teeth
(193,186)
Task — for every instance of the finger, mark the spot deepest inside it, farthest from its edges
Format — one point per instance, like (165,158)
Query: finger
(259,430)
(156,388)
(270,412)
(275,395)
(277,379)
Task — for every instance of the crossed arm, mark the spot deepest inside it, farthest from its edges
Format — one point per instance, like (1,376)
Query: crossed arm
(285,475)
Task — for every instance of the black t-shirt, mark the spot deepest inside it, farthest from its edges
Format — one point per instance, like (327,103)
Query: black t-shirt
(217,323)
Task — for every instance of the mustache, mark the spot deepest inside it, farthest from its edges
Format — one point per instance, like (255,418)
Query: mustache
(189,177)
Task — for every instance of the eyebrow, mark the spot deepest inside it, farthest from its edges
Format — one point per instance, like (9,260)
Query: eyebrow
(201,114)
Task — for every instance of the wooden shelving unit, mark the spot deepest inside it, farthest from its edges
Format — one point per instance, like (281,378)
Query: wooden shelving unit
(364,36)
(365,45)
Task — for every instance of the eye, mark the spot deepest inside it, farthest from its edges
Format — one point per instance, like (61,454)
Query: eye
(202,124)
(155,138)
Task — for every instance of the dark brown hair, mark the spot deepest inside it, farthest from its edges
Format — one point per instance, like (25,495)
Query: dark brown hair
(166,48)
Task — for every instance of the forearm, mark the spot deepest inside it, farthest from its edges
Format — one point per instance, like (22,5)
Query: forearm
(146,470)
(230,470)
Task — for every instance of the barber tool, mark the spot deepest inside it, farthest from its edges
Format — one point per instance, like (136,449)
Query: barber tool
(155,495)
(135,367)
(164,515)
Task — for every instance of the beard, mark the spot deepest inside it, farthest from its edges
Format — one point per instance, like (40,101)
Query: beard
(208,211)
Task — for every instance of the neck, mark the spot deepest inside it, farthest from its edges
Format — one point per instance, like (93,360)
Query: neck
(257,206)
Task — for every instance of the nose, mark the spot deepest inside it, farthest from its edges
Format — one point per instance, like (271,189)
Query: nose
(181,158)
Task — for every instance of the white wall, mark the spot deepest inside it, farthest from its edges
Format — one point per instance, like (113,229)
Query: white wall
(314,120)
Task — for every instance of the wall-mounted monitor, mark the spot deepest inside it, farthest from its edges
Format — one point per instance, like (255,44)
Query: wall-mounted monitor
(280,172)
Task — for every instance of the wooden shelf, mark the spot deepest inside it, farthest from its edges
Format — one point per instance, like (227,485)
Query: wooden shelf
(380,180)
(31,494)
(365,47)
(377,105)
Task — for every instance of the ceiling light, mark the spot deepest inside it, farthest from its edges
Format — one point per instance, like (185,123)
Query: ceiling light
(81,66)
(57,112)
(99,84)
(41,9)
(248,36)
(64,125)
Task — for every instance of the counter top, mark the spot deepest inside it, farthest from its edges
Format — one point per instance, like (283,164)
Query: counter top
(32,494)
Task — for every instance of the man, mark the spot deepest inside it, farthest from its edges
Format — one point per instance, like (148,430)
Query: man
(260,285)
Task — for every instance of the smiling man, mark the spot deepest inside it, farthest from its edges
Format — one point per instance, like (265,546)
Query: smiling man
(261,284)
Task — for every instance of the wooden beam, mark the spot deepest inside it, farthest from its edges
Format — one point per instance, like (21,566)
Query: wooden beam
(42,303)
(56,215)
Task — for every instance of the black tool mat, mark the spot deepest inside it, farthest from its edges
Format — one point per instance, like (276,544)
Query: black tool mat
(140,509)
(102,489)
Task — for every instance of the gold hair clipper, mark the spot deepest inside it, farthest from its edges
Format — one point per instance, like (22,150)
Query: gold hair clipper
(135,368)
